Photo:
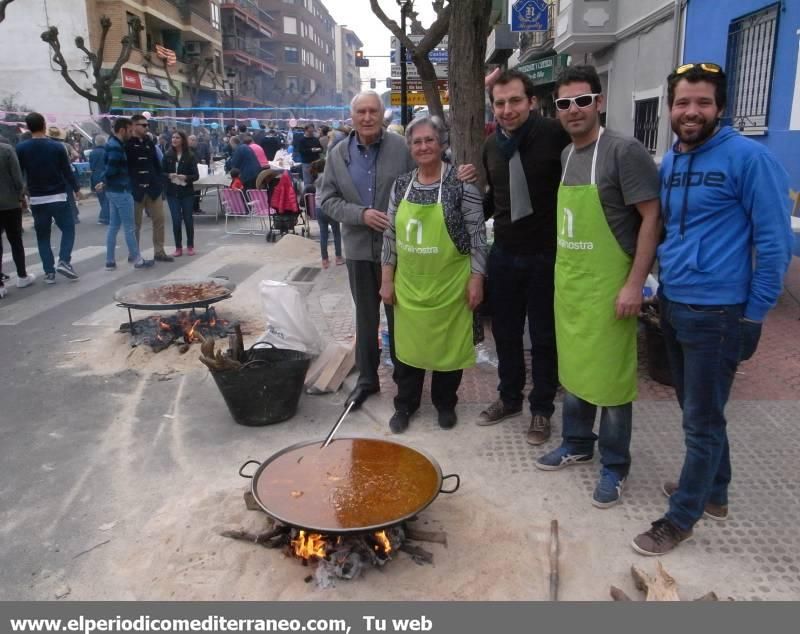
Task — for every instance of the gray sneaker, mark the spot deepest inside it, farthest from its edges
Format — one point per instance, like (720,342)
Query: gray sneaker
(497,412)
(65,268)
(143,264)
(49,278)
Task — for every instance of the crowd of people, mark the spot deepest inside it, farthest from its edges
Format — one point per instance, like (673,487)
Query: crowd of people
(580,215)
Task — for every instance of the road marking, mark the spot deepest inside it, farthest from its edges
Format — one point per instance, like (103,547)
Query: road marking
(44,299)
(7,259)
(86,253)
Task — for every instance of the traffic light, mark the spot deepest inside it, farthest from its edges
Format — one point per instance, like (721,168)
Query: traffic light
(361,61)
(373,84)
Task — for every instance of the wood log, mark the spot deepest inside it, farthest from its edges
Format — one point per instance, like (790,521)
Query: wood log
(263,539)
(618,594)
(437,537)
(320,363)
(554,560)
(237,329)
(335,372)
(419,555)
(661,587)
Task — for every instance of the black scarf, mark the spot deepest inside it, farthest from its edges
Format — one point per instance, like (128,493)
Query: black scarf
(510,144)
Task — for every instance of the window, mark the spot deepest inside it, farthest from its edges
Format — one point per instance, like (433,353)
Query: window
(291,55)
(292,84)
(217,63)
(289,25)
(214,15)
(136,38)
(751,56)
(645,123)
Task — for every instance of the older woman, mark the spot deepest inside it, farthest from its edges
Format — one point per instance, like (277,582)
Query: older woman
(433,264)
(97,167)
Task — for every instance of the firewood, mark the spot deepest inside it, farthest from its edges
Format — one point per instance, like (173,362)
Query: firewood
(206,346)
(662,587)
(554,560)
(262,539)
(417,535)
(419,555)
(619,595)
(708,596)
(239,356)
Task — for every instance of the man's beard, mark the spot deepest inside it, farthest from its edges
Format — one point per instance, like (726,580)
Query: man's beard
(700,135)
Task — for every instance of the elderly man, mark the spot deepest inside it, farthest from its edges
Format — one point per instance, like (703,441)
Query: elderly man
(359,173)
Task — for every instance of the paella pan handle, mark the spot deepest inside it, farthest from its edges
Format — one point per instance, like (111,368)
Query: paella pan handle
(455,488)
(249,462)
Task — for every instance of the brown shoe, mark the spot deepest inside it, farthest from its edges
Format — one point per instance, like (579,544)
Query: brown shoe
(716,512)
(662,537)
(496,412)
(539,431)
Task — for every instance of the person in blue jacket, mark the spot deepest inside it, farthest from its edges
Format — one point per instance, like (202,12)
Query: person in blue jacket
(727,245)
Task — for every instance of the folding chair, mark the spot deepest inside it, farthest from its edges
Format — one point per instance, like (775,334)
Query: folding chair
(235,206)
(260,212)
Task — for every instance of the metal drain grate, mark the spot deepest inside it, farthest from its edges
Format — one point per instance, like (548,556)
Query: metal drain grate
(306,274)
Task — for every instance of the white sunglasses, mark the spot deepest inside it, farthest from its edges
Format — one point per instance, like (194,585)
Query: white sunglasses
(581,101)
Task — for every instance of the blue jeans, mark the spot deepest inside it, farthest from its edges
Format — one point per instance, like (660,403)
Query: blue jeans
(104,216)
(43,217)
(324,221)
(703,348)
(521,286)
(121,213)
(181,210)
(614,439)
(307,178)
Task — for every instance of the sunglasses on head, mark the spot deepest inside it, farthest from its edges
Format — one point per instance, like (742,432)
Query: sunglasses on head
(582,101)
(709,67)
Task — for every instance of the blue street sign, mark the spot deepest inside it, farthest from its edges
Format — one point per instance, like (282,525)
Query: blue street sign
(529,15)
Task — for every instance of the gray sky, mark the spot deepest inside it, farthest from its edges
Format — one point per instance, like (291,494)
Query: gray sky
(358,16)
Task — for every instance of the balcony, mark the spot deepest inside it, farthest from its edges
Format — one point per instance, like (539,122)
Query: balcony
(252,14)
(248,52)
(501,44)
(585,26)
(536,43)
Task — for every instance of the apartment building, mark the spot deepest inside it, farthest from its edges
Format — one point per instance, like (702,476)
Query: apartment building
(304,47)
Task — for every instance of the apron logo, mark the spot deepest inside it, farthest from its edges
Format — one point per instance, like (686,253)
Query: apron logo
(567,228)
(411,223)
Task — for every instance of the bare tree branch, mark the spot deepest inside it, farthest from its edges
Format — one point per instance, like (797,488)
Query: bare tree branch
(173,97)
(105,26)
(51,37)
(125,54)
(3,5)
(195,72)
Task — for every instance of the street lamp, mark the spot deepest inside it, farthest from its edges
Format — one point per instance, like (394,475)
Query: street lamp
(405,9)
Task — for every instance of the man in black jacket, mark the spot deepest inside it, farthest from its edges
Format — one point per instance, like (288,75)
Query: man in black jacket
(310,150)
(147,183)
(523,164)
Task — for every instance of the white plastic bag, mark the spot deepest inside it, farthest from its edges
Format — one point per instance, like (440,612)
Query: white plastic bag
(289,325)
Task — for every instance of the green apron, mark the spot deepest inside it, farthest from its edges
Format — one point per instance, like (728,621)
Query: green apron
(596,351)
(432,321)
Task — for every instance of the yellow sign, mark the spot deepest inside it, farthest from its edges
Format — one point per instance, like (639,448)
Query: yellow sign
(417,99)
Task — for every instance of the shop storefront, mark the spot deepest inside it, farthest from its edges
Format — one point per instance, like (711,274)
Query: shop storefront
(137,92)
(544,72)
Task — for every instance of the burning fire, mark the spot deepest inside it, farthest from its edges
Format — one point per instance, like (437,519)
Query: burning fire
(189,336)
(309,545)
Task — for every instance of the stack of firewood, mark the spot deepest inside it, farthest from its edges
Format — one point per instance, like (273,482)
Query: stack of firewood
(232,359)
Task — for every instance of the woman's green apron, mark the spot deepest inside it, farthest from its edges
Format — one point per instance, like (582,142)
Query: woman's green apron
(596,351)
(432,321)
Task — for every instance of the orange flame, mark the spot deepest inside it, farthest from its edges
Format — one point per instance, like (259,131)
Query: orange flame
(190,332)
(164,326)
(309,545)
(384,541)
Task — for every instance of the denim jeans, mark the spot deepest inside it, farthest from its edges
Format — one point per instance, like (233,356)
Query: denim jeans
(308,179)
(43,217)
(324,221)
(703,348)
(521,286)
(121,213)
(614,439)
(181,210)
(104,216)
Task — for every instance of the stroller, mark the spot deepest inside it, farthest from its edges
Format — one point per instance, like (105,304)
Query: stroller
(275,200)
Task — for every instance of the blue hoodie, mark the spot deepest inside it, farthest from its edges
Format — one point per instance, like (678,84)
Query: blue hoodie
(720,202)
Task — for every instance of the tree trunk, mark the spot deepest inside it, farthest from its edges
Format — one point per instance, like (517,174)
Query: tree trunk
(430,84)
(469,28)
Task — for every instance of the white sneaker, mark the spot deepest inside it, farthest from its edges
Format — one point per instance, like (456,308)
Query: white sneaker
(3,291)
(22,282)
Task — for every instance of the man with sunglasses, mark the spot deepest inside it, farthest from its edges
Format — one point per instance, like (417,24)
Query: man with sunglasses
(522,160)
(147,182)
(726,249)
(608,229)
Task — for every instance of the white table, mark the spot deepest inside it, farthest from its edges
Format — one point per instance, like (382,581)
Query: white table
(217,181)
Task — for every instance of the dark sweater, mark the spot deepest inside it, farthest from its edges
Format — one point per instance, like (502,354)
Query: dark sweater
(46,167)
(310,149)
(540,153)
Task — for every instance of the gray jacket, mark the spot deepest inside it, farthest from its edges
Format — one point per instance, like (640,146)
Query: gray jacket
(11,185)
(340,200)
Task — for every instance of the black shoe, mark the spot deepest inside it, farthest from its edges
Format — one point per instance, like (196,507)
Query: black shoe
(447,418)
(163,257)
(360,394)
(398,423)
(65,268)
